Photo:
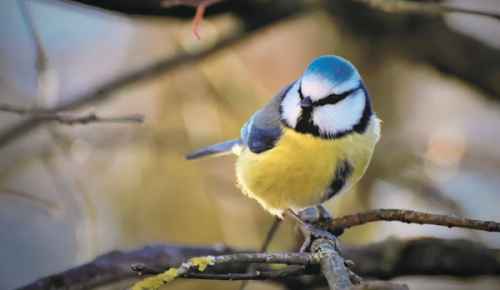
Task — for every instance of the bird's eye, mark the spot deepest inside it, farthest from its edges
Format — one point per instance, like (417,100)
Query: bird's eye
(333,98)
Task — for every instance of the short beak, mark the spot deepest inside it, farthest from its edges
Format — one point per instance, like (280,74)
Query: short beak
(306,102)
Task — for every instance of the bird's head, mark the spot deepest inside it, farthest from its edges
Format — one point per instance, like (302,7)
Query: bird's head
(330,100)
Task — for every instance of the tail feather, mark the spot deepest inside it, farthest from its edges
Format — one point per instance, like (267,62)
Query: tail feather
(233,146)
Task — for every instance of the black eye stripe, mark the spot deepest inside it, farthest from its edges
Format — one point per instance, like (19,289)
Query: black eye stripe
(301,96)
(330,99)
(333,98)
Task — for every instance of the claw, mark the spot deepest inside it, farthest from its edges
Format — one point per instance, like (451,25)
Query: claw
(306,244)
(310,231)
(323,212)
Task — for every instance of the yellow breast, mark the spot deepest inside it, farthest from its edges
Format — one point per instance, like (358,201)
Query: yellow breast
(298,171)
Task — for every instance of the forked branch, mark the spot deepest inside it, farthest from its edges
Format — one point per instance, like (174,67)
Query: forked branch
(201,263)
(423,256)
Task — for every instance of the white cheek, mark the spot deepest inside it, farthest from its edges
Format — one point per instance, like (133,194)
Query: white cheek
(343,116)
(290,105)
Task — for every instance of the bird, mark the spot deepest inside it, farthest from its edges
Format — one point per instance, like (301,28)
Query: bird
(200,6)
(311,142)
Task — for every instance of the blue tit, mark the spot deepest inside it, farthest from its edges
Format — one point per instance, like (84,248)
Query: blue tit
(310,143)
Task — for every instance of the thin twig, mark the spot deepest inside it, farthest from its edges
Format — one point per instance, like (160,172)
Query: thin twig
(257,275)
(424,7)
(263,248)
(201,263)
(257,19)
(69,118)
(47,79)
(46,204)
(285,258)
(42,62)
(413,217)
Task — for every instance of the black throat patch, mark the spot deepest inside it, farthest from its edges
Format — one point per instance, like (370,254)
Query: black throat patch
(305,123)
(342,174)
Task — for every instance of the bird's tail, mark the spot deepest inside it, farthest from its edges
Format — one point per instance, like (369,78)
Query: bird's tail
(234,146)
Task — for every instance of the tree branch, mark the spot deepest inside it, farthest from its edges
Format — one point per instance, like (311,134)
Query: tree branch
(423,256)
(255,19)
(324,254)
(424,8)
(420,38)
(383,260)
(44,203)
(381,285)
(201,263)
(115,266)
(257,275)
(408,216)
(332,265)
(69,118)
(157,7)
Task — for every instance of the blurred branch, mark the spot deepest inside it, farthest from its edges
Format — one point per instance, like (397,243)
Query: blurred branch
(383,260)
(381,285)
(423,256)
(42,60)
(424,38)
(423,7)
(420,38)
(69,118)
(157,7)
(424,188)
(259,17)
(44,203)
(115,266)
(412,217)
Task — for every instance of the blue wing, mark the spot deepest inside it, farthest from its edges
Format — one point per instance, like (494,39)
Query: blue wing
(259,139)
(259,134)
(264,129)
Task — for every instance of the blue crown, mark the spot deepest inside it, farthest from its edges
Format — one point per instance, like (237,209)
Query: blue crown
(332,68)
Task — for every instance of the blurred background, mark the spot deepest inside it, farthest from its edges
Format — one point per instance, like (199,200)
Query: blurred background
(71,193)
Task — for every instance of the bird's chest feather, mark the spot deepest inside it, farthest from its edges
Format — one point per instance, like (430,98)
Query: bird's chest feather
(301,170)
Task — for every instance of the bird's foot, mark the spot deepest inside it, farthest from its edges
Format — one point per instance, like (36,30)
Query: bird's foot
(323,221)
(310,233)
(323,212)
